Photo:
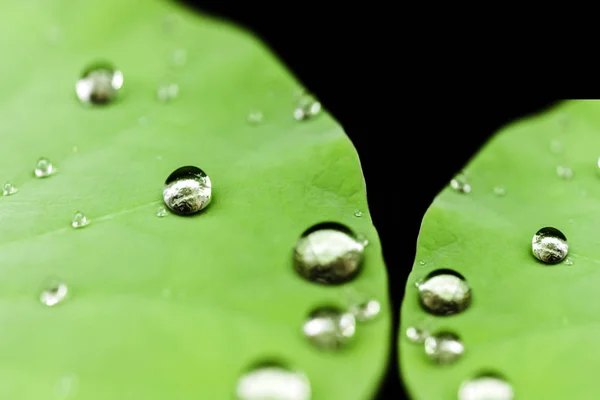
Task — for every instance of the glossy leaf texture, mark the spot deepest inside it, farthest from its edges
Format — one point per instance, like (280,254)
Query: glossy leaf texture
(173,307)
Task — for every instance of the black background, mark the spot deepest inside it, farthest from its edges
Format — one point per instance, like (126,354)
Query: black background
(416,110)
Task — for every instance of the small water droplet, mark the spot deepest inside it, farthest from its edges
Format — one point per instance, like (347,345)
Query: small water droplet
(43,168)
(444,347)
(568,261)
(460,184)
(358,213)
(167,92)
(307,107)
(549,245)
(556,147)
(273,381)
(99,84)
(329,328)
(366,310)
(187,190)
(422,262)
(8,189)
(161,211)
(328,253)
(444,292)
(255,117)
(486,386)
(563,172)
(179,57)
(416,334)
(79,220)
(499,191)
(53,293)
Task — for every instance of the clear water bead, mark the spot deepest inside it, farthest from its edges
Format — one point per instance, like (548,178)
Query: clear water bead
(307,107)
(416,334)
(444,347)
(444,292)
(422,262)
(43,168)
(328,253)
(187,190)
(99,84)
(563,172)
(486,387)
(8,189)
(549,245)
(161,211)
(255,117)
(366,310)
(167,92)
(460,184)
(329,327)
(53,293)
(272,381)
(79,220)
(358,213)
(568,261)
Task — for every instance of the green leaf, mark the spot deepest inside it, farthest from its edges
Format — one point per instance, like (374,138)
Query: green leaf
(173,307)
(530,322)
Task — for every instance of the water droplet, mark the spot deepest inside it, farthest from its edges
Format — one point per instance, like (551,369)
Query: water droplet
(416,334)
(556,147)
(366,310)
(179,57)
(486,387)
(459,184)
(255,117)
(167,92)
(307,107)
(329,328)
(272,381)
(8,189)
(43,168)
(499,191)
(358,213)
(568,261)
(328,253)
(444,347)
(161,211)
(79,220)
(99,84)
(444,292)
(53,293)
(563,172)
(422,262)
(187,190)
(549,245)
(75,149)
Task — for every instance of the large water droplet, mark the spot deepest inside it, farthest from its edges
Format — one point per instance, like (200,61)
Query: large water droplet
(549,245)
(307,107)
(161,211)
(272,381)
(444,292)
(187,190)
(328,253)
(53,293)
(99,84)
(460,184)
(255,117)
(444,347)
(329,328)
(43,168)
(563,172)
(167,92)
(486,387)
(416,334)
(365,310)
(8,189)
(79,220)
